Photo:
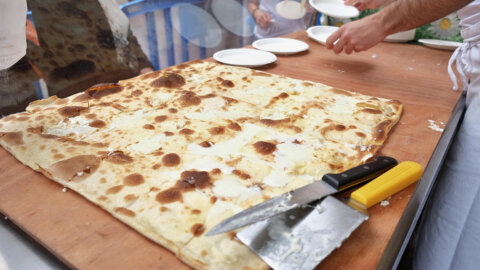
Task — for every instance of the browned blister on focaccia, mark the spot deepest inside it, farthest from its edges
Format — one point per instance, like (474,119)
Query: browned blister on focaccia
(174,152)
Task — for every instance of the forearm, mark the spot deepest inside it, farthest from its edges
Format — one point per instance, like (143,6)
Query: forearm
(407,14)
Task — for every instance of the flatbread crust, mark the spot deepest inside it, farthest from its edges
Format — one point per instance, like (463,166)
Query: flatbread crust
(174,152)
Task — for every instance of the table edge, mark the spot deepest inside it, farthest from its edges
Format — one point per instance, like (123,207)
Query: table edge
(402,235)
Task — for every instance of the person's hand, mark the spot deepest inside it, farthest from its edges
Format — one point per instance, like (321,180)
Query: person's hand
(262,18)
(357,36)
(367,4)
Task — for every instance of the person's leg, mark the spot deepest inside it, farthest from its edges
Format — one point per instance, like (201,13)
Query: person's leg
(468,251)
(449,234)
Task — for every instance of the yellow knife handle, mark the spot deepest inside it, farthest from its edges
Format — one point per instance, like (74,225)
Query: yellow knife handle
(389,183)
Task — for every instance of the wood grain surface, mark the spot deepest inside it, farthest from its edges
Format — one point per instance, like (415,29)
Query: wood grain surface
(85,237)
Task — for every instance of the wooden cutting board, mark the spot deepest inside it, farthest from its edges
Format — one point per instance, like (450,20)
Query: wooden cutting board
(86,237)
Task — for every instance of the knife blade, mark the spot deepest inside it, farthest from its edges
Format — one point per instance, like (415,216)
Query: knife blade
(330,184)
(301,238)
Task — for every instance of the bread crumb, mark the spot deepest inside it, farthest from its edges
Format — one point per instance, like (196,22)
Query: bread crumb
(374,56)
(64,189)
(385,202)
(434,126)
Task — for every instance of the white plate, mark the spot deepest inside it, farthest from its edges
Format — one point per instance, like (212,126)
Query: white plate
(290,10)
(245,57)
(280,45)
(440,44)
(321,33)
(401,36)
(334,8)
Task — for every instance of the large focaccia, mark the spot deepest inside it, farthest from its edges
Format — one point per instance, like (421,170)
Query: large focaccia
(174,152)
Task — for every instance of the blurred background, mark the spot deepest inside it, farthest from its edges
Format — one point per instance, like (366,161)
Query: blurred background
(72,45)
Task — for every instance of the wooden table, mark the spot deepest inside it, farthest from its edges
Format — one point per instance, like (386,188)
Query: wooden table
(86,237)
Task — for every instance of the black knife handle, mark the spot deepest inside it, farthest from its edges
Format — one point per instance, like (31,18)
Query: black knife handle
(360,174)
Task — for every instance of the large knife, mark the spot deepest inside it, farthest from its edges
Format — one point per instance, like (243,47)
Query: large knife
(330,184)
(302,237)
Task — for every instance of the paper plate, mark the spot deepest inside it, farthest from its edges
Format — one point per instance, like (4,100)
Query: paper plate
(290,10)
(404,36)
(334,8)
(244,57)
(321,33)
(440,44)
(280,45)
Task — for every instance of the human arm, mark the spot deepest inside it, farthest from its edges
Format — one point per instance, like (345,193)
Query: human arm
(398,16)
(367,4)
(261,17)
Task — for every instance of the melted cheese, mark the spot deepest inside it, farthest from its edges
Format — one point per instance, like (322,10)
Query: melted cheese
(231,188)
(148,145)
(229,148)
(220,211)
(293,155)
(273,114)
(161,98)
(210,115)
(207,163)
(277,178)
(130,120)
(76,125)
(342,105)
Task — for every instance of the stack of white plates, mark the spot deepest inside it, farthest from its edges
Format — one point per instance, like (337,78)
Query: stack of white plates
(264,54)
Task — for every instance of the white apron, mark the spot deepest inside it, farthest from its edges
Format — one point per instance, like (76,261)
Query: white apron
(449,233)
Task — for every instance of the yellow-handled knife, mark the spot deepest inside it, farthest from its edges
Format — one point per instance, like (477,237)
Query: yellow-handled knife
(301,238)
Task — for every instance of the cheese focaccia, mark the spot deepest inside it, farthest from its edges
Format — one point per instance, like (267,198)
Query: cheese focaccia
(172,153)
